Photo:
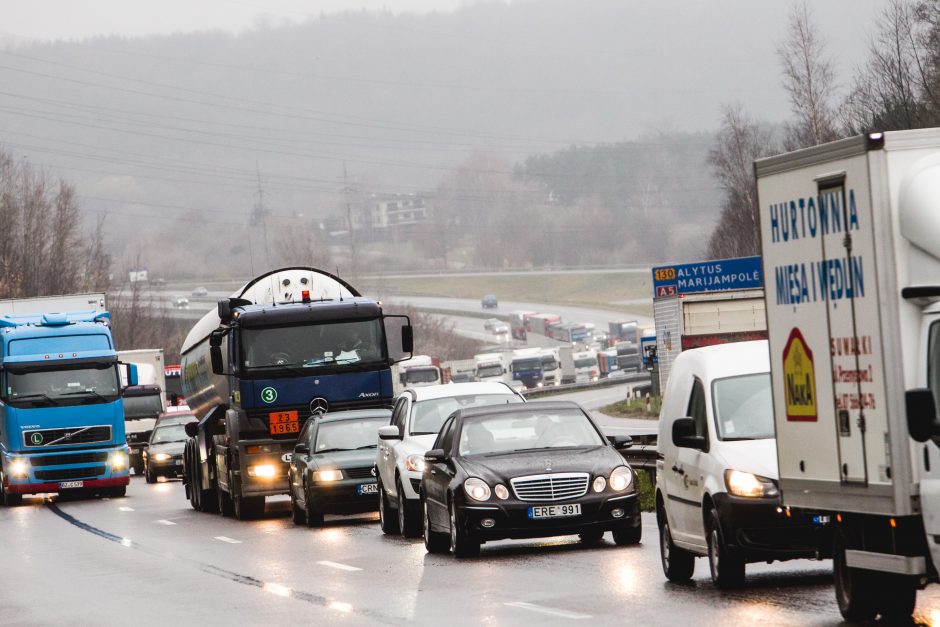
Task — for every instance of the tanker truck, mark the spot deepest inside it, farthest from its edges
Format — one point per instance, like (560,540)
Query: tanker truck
(290,344)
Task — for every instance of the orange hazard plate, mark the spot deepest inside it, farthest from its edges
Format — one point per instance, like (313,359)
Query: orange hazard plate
(284,422)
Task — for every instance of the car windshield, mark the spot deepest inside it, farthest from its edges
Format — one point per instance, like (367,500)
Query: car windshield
(429,415)
(313,345)
(525,429)
(348,435)
(585,362)
(168,433)
(96,383)
(744,407)
(149,406)
(420,375)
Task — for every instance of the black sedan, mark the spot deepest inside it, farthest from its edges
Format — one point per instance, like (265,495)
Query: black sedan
(164,453)
(526,471)
(331,467)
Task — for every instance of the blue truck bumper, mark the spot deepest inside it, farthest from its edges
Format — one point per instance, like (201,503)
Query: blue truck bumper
(63,470)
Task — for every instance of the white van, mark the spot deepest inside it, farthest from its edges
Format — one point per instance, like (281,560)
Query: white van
(716,481)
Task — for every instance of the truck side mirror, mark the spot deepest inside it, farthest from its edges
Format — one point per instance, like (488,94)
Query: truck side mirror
(683,434)
(226,305)
(215,350)
(407,339)
(922,421)
(132,374)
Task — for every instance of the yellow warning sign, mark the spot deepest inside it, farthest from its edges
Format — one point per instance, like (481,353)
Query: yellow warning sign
(799,379)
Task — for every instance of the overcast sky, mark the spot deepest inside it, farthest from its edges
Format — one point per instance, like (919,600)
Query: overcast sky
(47,20)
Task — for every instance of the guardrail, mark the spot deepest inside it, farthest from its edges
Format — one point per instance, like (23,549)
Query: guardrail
(591,385)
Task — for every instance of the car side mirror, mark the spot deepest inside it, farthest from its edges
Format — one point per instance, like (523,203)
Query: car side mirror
(620,441)
(389,432)
(435,456)
(683,435)
(191,429)
(922,421)
(302,449)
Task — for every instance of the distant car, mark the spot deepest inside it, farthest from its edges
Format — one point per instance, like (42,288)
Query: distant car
(500,329)
(200,291)
(174,418)
(491,323)
(331,468)
(526,471)
(164,453)
(489,302)
(180,302)
(417,417)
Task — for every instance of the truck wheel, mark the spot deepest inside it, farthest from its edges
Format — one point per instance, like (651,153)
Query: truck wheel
(116,492)
(408,517)
(7,499)
(248,507)
(224,502)
(678,564)
(388,521)
(856,588)
(898,598)
(727,568)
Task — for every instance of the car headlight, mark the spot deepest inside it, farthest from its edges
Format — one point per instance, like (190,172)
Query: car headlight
(501,492)
(749,485)
(19,468)
(327,475)
(599,484)
(620,479)
(161,457)
(263,471)
(415,463)
(118,460)
(476,489)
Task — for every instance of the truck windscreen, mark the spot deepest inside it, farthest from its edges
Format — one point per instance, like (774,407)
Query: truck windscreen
(420,375)
(45,387)
(585,362)
(315,346)
(490,371)
(534,363)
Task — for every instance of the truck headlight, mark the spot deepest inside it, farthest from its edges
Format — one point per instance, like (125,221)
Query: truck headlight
(19,468)
(118,460)
(620,479)
(262,471)
(328,475)
(749,485)
(415,463)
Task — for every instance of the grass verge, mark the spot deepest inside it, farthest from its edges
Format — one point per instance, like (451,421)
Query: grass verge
(647,492)
(633,408)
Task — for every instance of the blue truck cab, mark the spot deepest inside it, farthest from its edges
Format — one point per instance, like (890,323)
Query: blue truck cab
(528,370)
(61,411)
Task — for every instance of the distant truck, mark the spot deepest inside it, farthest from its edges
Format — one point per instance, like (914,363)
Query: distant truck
(628,357)
(851,253)
(628,331)
(585,366)
(61,412)
(419,370)
(489,367)
(518,321)
(607,363)
(551,369)
(143,402)
(706,303)
(540,323)
(526,367)
(292,343)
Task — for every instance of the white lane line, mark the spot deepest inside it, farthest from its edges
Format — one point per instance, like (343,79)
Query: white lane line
(541,609)
(164,521)
(126,509)
(338,566)
(227,539)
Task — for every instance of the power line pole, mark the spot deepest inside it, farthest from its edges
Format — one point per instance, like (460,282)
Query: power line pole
(259,208)
(353,254)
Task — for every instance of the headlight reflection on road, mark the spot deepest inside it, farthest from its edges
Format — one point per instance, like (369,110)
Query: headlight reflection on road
(276,588)
(340,606)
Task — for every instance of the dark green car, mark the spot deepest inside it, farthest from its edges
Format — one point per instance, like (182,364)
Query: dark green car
(331,467)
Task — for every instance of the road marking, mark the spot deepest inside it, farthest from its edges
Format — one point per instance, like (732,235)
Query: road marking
(126,509)
(227,539)
(163,521)
(541,609)
(339,566)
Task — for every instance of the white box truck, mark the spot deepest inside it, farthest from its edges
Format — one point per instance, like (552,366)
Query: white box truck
(53,304)
(850,234)
(143,402)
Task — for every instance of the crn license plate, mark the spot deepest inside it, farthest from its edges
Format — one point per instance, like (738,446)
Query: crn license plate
(71,484)
(555,511)
(368,488)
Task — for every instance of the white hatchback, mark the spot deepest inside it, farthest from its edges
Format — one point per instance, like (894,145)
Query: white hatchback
(416,419)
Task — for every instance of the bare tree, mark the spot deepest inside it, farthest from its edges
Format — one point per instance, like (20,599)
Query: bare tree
(740,141)
(808,77)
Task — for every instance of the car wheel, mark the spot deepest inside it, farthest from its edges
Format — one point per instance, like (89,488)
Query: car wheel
(149,474)
(434,541)
(678,564)
(627,535)
(297,515)
(727,568)
(387,520)
(407,520)
(591,538)
(138,467)
(314,518)
(462,544)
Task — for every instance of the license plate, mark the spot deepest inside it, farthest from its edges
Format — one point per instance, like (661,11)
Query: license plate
(283,422)
(71,484)
(368,488)
(177,462)
(555,511)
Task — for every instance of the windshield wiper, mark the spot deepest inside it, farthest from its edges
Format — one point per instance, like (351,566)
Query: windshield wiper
(34,397)
(366,446)
(88,393)
(332,450)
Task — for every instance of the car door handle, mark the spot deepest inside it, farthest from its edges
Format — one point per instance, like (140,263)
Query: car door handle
(678,470)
